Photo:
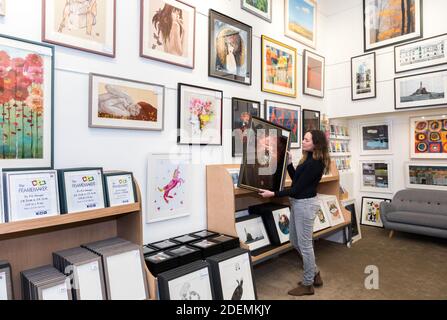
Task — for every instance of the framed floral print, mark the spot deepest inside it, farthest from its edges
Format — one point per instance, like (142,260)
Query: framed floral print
(278,67)
(260,8)
(88,25)
(313,76)
(125,104)
(167,32)
(285,115)
(199,115)
(229,49)
(300,21)
(363,77)
(26,104)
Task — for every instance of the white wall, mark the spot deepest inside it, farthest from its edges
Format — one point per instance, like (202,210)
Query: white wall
(77,145)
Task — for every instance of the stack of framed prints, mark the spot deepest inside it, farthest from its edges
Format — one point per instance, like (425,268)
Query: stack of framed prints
(262,9)
(376,176)
(233,275)
(428,137)
(321,218)
(363,77)
(423,175)
(355,219)
(311,121)
(86,271)
(165,244)
(190,282)
(300,21)
(6,291)
(241,113)
(375,138)
(208,247)
(227,242)
(332,207)
(45,283)
(120,188)
(147,250)
(285,115)
(203,234)
(30,195)
(251,231)
(276,219)
(185,254)
(81,189)
(371,211)
(185,239)
(160,262)
(314,74)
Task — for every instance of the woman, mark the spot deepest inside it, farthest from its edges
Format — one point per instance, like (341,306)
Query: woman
(304,204)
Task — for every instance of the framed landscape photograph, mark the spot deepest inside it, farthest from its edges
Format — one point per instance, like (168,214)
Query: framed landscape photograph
(26,104)
(376,176)
(423,175)
(300,21)
(251,231)
(375,138)
(428,137)
(167,32)
(260,8)
(421,90)
(241,112)
(230,49)
(119,103)
(363,77)
(84,25)
(313,75)
(370,215)
(420,54)
(278,67)
(311,120)
(387,22)
(285,115)
(199,118)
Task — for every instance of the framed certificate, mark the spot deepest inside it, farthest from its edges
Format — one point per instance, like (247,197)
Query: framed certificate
(120,188)
(30,194)
(81,189)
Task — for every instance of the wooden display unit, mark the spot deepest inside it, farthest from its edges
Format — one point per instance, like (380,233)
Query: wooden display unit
(29,244)
(223,200)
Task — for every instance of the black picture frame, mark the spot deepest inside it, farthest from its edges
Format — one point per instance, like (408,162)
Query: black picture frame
(374,80)
(212,50)
(238,107)
(119,173)
(289,107)
(303,116)
(362,213)
(248,236)
(322,60)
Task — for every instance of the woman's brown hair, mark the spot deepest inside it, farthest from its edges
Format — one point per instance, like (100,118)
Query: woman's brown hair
(321,149)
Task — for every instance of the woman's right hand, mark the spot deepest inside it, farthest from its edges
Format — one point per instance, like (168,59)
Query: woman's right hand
(289,158)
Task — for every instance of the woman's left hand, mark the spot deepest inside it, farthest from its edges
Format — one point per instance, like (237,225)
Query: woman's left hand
(266,193)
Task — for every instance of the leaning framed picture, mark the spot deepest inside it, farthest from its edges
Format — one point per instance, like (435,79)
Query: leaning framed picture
(120,188)
(26,104)
(428,137)
(167,31)
(230,49)
(370,215)
(375,137)
(285,115)
(169,186)
(119,103)
(313,75)
(84,25)
(251,231)
(322,220)
(278,68)
(387,22)
(300,21)
(376,176)
(262,8)
(423,175)
(363,77)
(241,112)
(199,119)
(350,205)
(421,90)
(311,121)
(420,54)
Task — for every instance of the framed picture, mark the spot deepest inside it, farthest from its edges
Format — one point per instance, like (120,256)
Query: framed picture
(313,75)
(118,103)
(420,54)
(371,211)
(234,173)
(169,186)
(120,188)
(375,138)
(251,231)
(311,120)
(421,90)
(84,25)
(26,104)
(428,137)
(285,115)
(355,219)
(6,289)
(167,31)
(422,175)
(199,118)
(300,21)
(278,67)
(387,22)
(264,161)
(2,7)
(230,49)
(260,8)
(333,210)
(363,77)
(241,112)
(376,176)
(321,218)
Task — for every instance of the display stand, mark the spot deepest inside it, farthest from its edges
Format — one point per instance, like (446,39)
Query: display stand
(223,200)
(29,244)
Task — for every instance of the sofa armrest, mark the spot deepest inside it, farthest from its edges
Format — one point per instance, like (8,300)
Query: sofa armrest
(385,208)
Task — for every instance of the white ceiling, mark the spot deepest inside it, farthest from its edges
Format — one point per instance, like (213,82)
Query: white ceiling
(331,7)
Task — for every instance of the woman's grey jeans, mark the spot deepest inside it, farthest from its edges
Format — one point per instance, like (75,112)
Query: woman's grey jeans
(302,220)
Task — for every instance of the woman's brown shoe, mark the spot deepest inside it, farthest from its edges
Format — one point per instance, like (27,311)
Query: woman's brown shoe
(318,282)
(302,291)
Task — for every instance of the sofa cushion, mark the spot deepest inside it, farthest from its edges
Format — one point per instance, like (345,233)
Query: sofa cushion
(419,200)
(420,219)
